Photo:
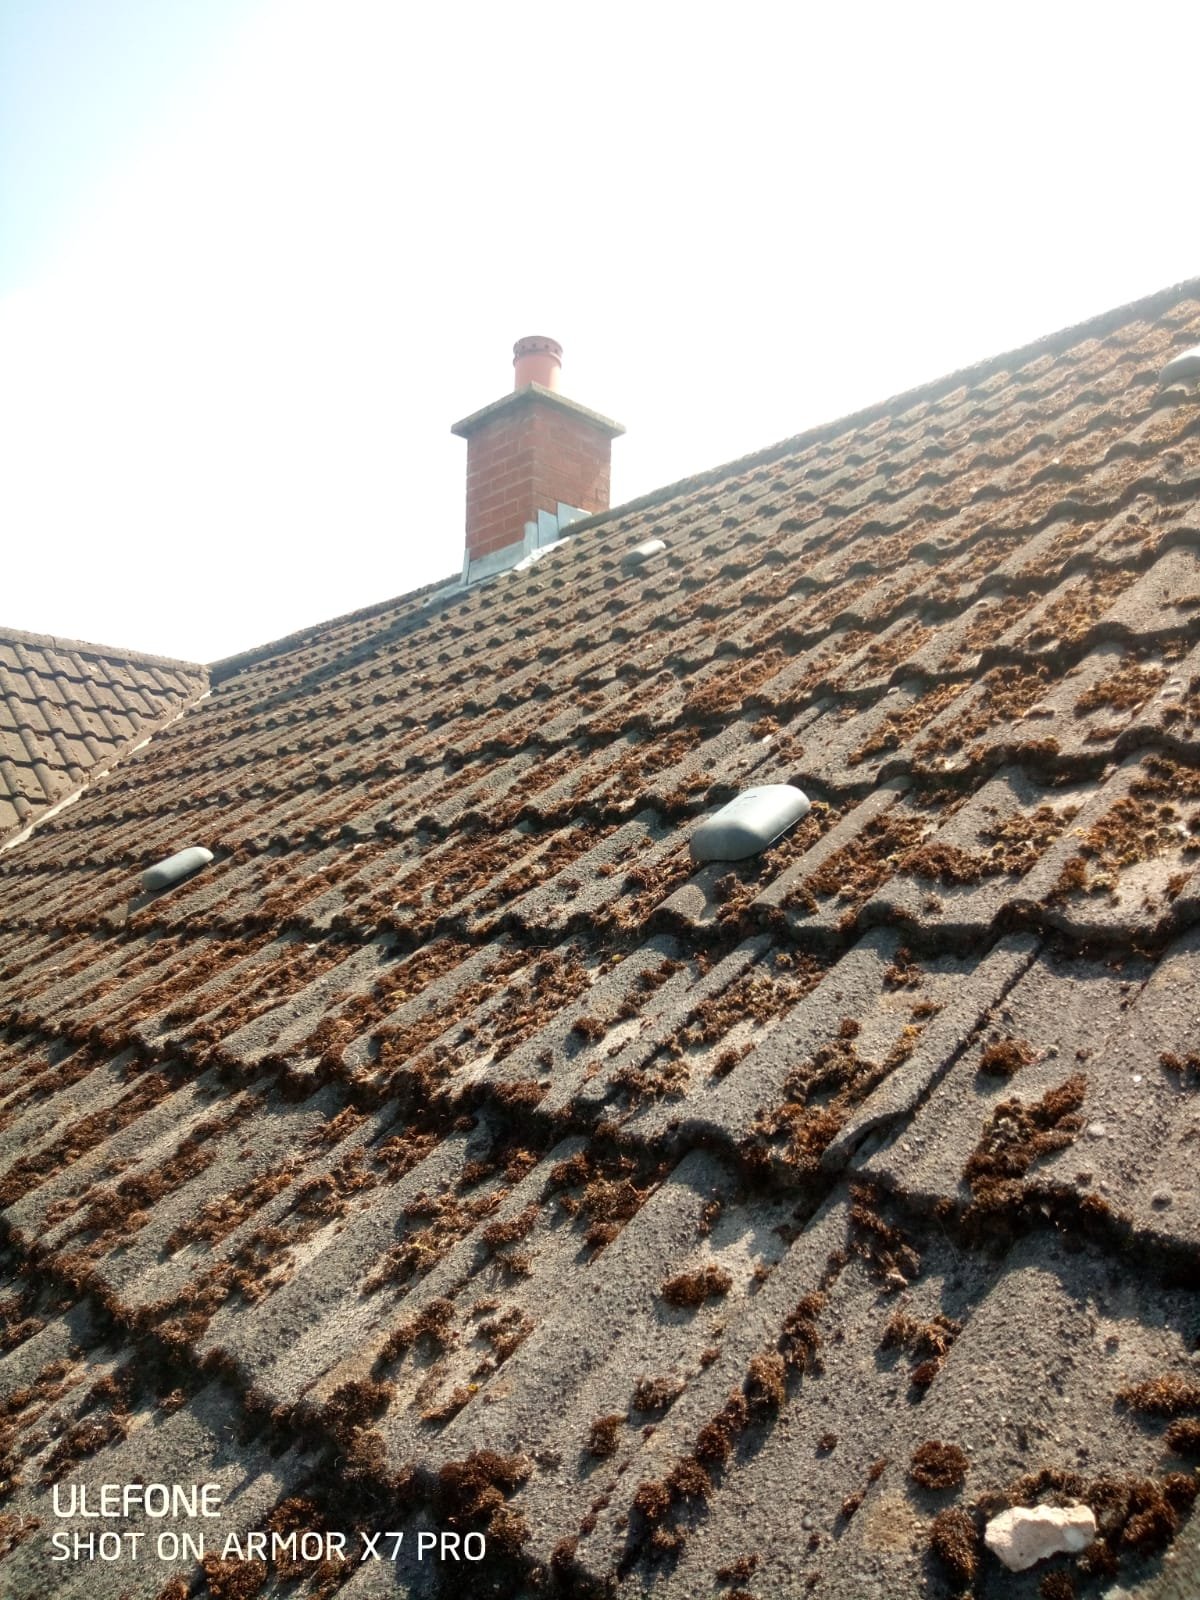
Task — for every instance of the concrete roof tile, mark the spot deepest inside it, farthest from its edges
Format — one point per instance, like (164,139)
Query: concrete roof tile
(451,1101)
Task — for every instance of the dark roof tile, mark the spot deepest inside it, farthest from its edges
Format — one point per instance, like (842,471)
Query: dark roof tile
(52,688)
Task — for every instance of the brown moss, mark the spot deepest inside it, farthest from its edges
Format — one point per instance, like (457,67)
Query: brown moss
(497,1234)
(1003,695)
(1005,1057)
(1183,1437)
(296,1514)
(433,1323)
(691,1289)
(853,873)
(116,1213)
(732,685)
(461,1395)
(890,1258)
(820,1094)
(1016,1136)
(765,1385)
(356,1404)
(935,1465)
(799,1341)
(932,1338)
(656,1394)
(715,1441)
(219,1217)
(1185,1068)
(477,1485)
(899,726)
(931,1341)
(943,863)
(26,1172)
(589,1028)
(81,1440)
(614,1188)
(1131,831)
(687,1480)
(604,1434)
(904,972)
(954,1540)
(1057,1586)
(1167,1396)
(234,1580)
(447,1219)
(1125,688)
(507,1530)
(652,1500)
(14,1529)
(1137,1514)
(506,1332)
(759,995)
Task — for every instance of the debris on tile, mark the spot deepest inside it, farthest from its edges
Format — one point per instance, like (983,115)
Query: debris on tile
(1025,1535)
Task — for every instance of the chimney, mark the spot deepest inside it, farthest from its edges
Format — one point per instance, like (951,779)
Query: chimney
(536,462)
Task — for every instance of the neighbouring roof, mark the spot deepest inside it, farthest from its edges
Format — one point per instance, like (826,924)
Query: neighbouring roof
(452,1152)
(68,710)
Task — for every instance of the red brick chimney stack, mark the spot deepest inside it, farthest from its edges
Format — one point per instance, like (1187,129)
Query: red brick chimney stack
(536,461)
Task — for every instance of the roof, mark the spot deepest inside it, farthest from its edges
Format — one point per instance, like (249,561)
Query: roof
(69,710)
(452,1153)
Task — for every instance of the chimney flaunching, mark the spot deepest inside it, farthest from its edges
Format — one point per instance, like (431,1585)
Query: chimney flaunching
(536,462)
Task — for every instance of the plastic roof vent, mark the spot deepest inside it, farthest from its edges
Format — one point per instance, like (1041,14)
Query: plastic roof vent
(181,865)
(750,823)
(643,552)
(1183,368)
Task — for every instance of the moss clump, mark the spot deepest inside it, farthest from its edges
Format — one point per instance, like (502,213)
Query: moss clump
(1183,1438)
(1057,1586)
(935,1465)
(656,1394)
(474,1489)
(1015,1137)
(1005,1057)
(690,1289)
(765,1387)
(1168,1396)
(604,1435)
(954,1540)
(433,1322)
(234,1580)
(800,1339)
(355,1404)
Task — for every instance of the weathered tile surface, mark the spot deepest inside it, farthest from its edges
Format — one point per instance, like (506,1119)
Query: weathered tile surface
(452,1152)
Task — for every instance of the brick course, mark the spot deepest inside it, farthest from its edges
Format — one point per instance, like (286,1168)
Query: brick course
(525,455)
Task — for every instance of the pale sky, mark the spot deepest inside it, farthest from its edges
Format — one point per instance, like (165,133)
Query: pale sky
(256,256)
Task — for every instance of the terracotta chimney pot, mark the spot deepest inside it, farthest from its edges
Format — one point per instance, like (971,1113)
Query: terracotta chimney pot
(536,360)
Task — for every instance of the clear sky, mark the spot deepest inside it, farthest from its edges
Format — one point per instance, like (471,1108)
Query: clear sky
(257,255)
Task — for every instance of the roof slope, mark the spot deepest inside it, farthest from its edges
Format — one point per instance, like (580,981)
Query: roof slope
(69,709)
(451,1153)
